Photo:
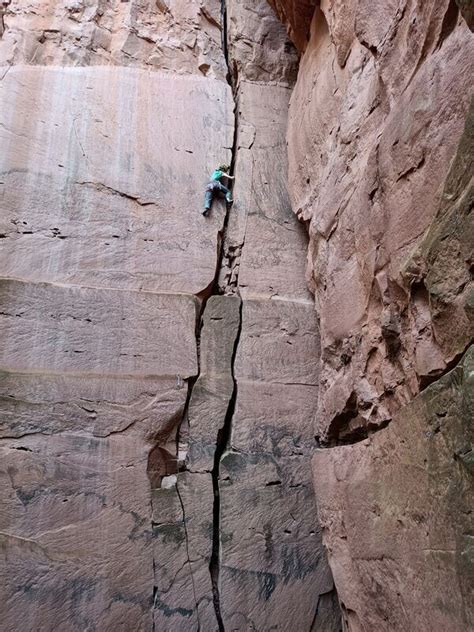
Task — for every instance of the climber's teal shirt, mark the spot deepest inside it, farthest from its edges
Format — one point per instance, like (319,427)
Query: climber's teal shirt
(217,175)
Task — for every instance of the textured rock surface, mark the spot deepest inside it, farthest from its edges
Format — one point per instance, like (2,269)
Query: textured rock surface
(185,523)
(397,514)
(418,511)
(440,269)
(375,119)
(251,406)
(274,557)
(94,377)
(99,207)
(102,170)
(181,36)
(129,391)
(296,14)
(381,172)
(258,50)
(467,9)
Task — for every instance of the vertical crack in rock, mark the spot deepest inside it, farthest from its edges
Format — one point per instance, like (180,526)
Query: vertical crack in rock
(180,458)
(3,10)
(218,287)
(223,434)
(223,437)
(225,48)
(174,467)
(155,591)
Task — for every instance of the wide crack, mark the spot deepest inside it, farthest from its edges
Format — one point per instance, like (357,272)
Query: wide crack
(224,44)
(223,438)
(3,10)
(224,434)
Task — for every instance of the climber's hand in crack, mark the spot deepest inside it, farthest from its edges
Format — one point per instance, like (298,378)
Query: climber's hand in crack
(215,186)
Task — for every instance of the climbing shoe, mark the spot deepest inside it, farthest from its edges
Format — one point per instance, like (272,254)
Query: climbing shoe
(229,199)
(205,212)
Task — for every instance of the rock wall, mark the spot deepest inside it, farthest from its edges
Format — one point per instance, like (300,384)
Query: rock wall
(171,35)
(380,166)
(155,446)
(161,370)
(296,14)
(375,119)
(247,432)
(397,514)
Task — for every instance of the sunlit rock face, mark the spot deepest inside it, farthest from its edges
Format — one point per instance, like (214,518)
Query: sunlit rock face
(380,145)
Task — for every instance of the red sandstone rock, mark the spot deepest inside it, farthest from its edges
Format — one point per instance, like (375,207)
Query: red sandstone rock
(396,512)
(180,36)
(375,119)
(381,172)
(115,400)
(296,14)
(103,170)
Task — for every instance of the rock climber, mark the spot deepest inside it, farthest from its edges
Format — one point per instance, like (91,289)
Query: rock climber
(215,186)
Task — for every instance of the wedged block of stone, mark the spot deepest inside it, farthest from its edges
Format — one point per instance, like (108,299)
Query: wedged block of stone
(75,531)
(396,513)
(214,387)
(182,540)
(279,343)
(102,176)
(57,329)
(273,567)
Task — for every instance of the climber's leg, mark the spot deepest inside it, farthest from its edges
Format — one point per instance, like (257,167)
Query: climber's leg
(207,201)
(227,192)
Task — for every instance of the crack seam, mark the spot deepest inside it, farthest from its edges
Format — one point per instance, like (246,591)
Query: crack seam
(223,439)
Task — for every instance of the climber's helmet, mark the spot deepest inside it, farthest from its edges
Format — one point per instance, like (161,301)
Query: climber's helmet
(223,167)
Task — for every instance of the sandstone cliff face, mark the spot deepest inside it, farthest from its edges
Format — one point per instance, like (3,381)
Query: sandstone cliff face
(375,119)
(161,371)
(155,448)
(176,35)
(380,168)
